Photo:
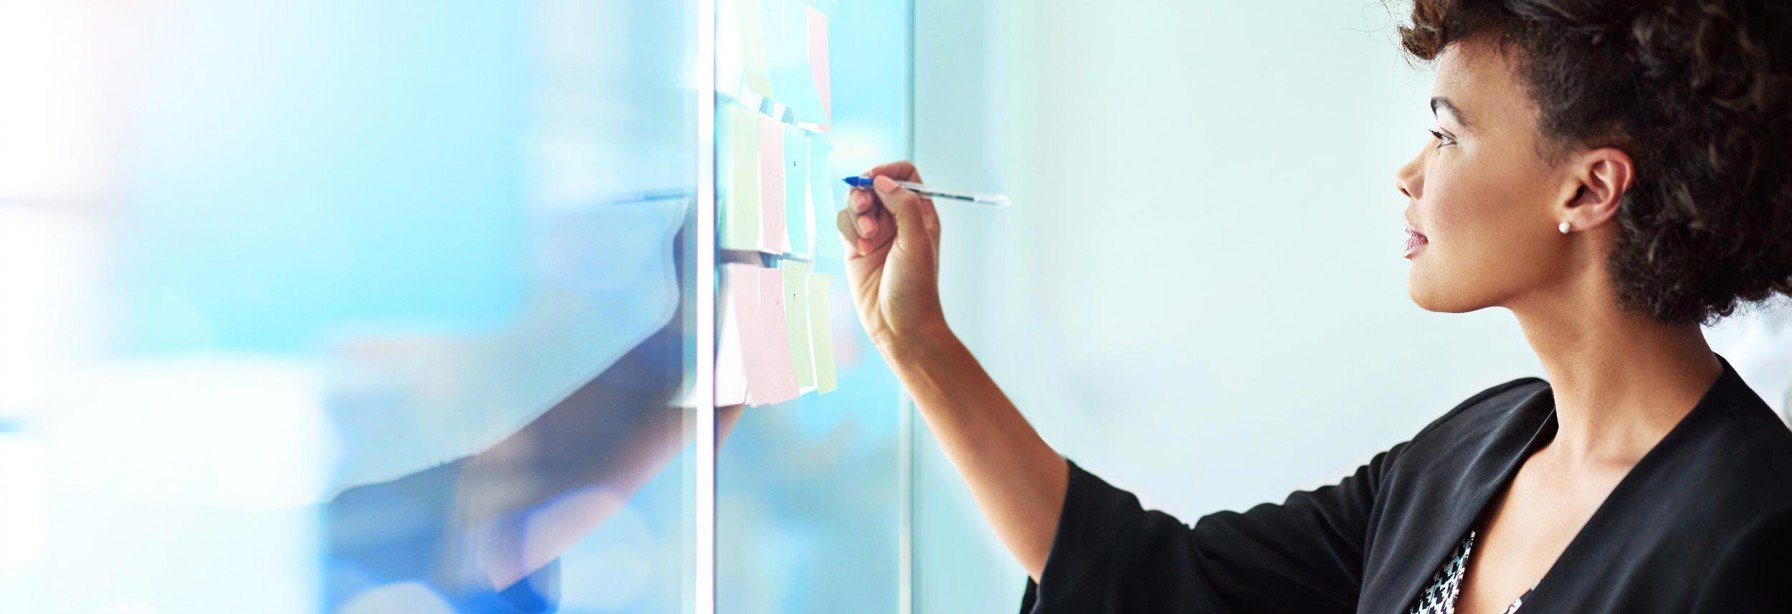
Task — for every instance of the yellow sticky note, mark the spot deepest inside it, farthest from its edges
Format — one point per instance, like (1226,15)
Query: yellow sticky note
(796,320)
(821,332)
(738,297)
(751,16)
(738,164)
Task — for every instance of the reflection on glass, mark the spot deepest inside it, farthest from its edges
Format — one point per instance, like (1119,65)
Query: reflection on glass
(346,306)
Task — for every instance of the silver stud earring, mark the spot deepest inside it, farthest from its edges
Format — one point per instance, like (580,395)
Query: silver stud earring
(1563,227)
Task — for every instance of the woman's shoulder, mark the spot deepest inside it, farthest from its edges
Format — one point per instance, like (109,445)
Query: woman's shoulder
(1495,406)
(1486,430)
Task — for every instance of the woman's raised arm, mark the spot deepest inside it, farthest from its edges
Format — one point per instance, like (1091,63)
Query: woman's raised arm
(893,238)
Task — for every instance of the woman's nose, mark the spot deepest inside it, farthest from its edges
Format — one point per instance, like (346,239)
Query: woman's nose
(1407,180)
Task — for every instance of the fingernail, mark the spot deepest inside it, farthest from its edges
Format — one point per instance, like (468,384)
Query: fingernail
(866,225)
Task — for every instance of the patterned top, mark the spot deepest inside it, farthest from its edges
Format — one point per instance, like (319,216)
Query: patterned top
(1440,596)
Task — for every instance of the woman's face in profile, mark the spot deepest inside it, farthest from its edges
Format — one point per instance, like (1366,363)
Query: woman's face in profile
(1479,192)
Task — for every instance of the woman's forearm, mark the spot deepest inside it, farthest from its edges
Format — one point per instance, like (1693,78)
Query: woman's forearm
(1015,477)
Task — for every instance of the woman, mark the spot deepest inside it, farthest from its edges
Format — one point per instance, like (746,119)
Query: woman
(1615,175)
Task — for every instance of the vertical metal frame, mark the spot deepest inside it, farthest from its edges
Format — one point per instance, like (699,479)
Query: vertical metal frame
(705,440)
(906,576)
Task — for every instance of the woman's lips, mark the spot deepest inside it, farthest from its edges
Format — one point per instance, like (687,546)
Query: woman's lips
(1414,241)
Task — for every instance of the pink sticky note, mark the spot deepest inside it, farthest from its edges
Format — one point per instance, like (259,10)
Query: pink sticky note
(772,234)
(765,364)
(777,374)
(818,59)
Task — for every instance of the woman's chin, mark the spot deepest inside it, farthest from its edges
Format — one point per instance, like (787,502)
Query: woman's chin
(1429,298)
(1423,294)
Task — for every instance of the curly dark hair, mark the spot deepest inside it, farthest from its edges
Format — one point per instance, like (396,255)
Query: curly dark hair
(1696,92)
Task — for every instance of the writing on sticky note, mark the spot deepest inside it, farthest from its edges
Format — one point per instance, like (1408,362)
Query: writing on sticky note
(796,192)
(821,332)
(738,161)
(818,60)
(796,320)
(772,232)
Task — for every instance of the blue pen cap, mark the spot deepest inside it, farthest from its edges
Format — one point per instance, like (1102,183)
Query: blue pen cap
(858,182)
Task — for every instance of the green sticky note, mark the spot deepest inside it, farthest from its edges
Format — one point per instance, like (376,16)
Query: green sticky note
(821,332)
(752,15)
(737,129)
(799,220)
(796,320)
(822,184)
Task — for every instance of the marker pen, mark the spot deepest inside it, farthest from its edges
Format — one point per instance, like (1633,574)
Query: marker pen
(994,200)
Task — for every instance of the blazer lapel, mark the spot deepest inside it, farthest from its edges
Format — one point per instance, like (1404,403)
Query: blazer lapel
(1442,499)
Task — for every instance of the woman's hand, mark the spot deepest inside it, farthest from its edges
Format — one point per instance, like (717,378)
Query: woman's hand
(892,240)
(893,245)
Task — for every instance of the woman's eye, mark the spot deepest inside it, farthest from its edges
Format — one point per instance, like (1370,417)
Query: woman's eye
(1441,137)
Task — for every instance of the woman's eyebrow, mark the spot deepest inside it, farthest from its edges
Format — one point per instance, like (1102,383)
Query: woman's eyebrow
(1440,101)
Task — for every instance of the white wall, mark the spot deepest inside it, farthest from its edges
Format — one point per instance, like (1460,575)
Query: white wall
(1199,293)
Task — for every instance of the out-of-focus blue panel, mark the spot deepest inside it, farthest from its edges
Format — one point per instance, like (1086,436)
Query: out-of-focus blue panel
(295,171)
(381,306)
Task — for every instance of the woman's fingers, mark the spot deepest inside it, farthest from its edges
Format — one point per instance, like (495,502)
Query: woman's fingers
(860,200)
(870,220)
(864,219)
(910,210)
(843,223)
(861,243)
(864,202)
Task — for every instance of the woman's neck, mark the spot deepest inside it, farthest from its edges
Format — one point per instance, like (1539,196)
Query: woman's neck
(1621,382)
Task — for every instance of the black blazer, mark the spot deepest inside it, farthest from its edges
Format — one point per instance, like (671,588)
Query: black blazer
(1702,523)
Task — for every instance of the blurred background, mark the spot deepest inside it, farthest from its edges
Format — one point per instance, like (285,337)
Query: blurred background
(393,307)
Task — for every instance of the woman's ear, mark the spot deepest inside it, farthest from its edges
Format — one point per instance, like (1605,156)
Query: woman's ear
(1601,177)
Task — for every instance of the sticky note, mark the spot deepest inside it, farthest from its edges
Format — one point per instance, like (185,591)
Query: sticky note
(772,236)
(818,61)
(822,184)
(793,80)
(772,357)
(750,15)
(738,292)
(738,165)
(821,332)
(756,297)
(799,220)
(796,320)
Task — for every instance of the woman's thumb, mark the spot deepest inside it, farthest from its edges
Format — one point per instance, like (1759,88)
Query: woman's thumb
(909,209)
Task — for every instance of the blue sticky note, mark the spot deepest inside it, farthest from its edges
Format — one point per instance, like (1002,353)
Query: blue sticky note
(786,29)
(797,216)
(821,199)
